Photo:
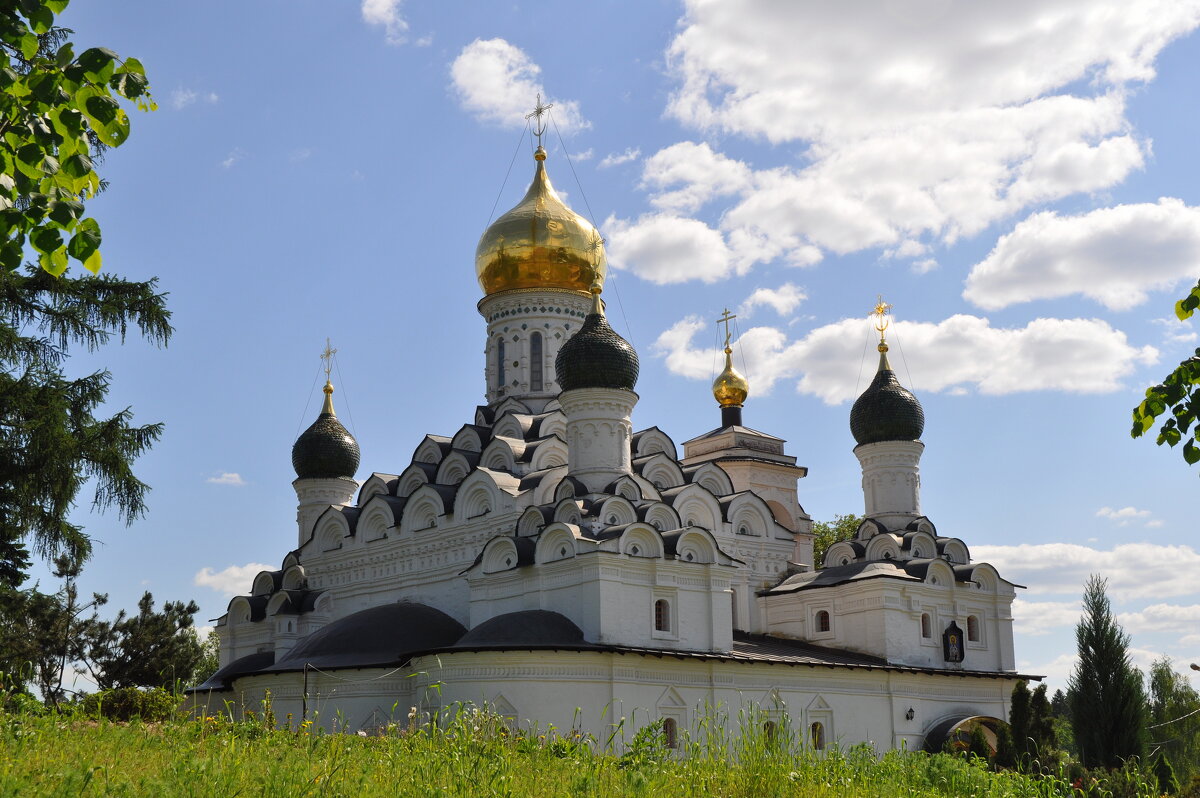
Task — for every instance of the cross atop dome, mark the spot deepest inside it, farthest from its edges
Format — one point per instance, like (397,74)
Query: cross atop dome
(880,312)
(539,127)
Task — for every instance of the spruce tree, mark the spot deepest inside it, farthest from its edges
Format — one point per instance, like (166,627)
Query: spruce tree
(1105,695)
(1018,718)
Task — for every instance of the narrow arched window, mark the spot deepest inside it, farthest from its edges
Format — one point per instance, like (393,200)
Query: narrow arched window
(822,621)
(817,732)
(733,608)
(662,616)
(670,733)
(973,628)
(535,362)
(770,730)
(500,358)
(926,626)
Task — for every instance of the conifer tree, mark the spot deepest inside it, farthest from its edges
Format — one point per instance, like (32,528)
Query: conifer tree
(1105,695)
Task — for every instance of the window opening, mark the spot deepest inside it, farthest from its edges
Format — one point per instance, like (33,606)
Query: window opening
(662,616)
(818,735)
(670,733)
(500,364)
(822,621)
(972,628)
(535,362)
(926,626)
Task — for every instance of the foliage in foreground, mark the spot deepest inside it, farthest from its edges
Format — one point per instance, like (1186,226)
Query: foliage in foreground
(1178,393)
(472,753)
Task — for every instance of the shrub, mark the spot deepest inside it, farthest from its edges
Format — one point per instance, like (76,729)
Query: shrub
(127,703)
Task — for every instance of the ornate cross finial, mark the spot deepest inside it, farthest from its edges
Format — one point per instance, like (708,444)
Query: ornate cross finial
(539,127)
(726,318)
(880,312)
(327,356)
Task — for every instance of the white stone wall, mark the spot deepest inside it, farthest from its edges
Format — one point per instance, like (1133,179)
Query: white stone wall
(598,433)
(313,497)
(613,695)
(891,480)
(515,316)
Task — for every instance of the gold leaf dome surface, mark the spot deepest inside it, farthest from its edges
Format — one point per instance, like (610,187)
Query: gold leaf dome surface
(540,243)
(730,387)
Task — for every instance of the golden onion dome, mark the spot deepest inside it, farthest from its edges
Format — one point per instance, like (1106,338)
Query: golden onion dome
(730,387)
(540,243)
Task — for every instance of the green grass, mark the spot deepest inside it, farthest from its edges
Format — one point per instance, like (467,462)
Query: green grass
(469,754)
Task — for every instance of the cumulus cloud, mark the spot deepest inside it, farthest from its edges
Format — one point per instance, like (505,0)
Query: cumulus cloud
(664,248)
(498,82)
(1073,355)
(235,155)
(1133,570)
(1124,515)
(783,299)
(1161,618)
(227,478)
(232,581)
(923,121)
(386,13)
(1043,617)
(1113,256)
(618,158)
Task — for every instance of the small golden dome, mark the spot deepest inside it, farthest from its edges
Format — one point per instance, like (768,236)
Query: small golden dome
(730,387)
(540,243)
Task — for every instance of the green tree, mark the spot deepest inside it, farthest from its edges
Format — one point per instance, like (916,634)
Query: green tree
(58,111)
(40,633)
(1018,717)
(826,533)
(1177,393)
(211,660)
(150,649)
(1105,695)
(1041,737)
(1175,719)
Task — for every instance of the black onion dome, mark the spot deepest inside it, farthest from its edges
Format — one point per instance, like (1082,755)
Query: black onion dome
(326,450)
(886,411)
(596,357)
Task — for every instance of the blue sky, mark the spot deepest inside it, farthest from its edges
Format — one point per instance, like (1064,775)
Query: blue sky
(1018,180)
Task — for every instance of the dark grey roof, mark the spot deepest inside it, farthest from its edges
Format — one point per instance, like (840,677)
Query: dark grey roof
(382,635)
(325,450)
(886,411)
(223,678)
(840,574)
(596,357)
(528,627)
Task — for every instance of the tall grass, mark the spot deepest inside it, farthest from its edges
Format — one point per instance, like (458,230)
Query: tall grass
(464,752)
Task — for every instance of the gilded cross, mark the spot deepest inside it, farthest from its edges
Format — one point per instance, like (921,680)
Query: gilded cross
(726,318)
(327,356)
(539,127)
(880,313)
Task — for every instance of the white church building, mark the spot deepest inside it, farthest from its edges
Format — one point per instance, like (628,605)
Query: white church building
(551,562)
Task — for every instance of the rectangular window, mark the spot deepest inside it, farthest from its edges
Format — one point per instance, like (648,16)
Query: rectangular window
(535,362)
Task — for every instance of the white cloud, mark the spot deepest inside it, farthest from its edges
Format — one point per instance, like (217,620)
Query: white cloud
(618,158)
(182,98)
(227,478)
(232,581)
(424,41)
(783,299)
(694,174)
(586,155)
(663,249)
(1176,331)
(235,155)
(1161,618)
(498,82)
(1072,355)
(1133,570)
(1124,515)
(387,14)
(1037,618)
(1111,255)
(922,121)
(1056,671)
